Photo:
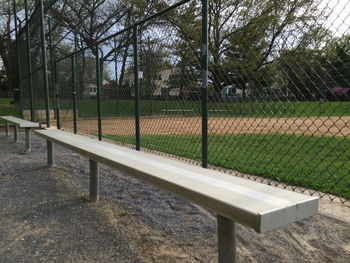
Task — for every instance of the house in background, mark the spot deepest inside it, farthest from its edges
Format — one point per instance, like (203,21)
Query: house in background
(90,90)
(159,84)
(3,78)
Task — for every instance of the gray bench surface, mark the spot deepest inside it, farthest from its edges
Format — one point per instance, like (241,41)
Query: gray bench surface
(250,203)
(20,122)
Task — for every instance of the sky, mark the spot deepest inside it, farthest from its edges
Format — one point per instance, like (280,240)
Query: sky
(339,19)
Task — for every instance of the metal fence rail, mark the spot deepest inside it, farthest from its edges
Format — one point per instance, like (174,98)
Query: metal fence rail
(256,87)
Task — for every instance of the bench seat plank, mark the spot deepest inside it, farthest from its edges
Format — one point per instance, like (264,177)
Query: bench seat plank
(250,203)
(20,122)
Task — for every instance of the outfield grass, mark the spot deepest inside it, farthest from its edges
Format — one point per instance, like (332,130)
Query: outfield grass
(319,163)
(88,108)
(109,108)
(7,109)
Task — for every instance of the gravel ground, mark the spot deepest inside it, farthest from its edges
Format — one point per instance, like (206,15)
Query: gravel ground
(45,216)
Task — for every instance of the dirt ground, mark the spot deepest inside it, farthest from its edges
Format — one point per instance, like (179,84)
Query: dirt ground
(45,216)
(332,126)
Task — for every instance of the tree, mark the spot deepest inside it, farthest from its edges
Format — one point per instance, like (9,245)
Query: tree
(7,43)
(245,36)
(8,52)
(94,20)
(89,21)
(303,74)
(339,61)
(311,72)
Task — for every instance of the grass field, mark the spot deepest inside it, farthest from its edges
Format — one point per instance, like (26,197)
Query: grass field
(319,163)
(270,109)
(8,109)
(109,108)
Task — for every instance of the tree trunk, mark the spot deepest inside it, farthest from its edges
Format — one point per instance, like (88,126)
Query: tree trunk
(122,72)
(10,65)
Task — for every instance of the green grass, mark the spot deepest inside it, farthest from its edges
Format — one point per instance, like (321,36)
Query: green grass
(87,108)
(7,109)
(319,163)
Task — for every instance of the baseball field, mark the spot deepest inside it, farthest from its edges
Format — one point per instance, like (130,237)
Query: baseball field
(310,152)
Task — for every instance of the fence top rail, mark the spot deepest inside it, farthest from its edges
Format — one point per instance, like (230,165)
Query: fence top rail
(256,205)
(165,10)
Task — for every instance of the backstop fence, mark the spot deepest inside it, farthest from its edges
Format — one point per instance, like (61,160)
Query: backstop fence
(257,88)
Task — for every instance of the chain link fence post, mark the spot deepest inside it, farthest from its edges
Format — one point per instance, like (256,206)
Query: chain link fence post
(205,83)
(98,84)
(74,93)
(116,78)
(52,61)
(43,48)
(57,95)
(77,82)
(136,91)
(18,62)
(30,77)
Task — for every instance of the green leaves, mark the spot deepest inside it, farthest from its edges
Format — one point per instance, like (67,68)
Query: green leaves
(245,37)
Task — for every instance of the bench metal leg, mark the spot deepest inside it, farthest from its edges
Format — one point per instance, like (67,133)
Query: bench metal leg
(226,240)
(28,139)
(50,154)
(94,182)
(15,132)
(7,127)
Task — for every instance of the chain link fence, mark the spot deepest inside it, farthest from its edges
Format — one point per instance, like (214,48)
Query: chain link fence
(32,63)
(276,107)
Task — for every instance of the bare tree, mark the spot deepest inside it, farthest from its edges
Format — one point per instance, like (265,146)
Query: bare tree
(7,43)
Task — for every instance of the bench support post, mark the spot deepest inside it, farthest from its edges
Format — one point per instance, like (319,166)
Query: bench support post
(28,139)
(50,155)
(226,240)
(7,129)
(15,133)
(94,183)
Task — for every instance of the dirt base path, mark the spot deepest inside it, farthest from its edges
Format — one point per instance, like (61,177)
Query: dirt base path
(332,126)
(45,217)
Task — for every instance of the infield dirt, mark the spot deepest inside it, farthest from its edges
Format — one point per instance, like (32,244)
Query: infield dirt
(162,125)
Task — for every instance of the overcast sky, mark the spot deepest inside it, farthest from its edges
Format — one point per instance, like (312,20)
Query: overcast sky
(339,20)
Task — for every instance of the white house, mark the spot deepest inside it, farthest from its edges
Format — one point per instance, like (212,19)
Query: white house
(1,64)
(161,85)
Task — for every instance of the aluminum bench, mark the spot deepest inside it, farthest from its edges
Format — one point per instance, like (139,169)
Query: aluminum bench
(20,123)
(234,199)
